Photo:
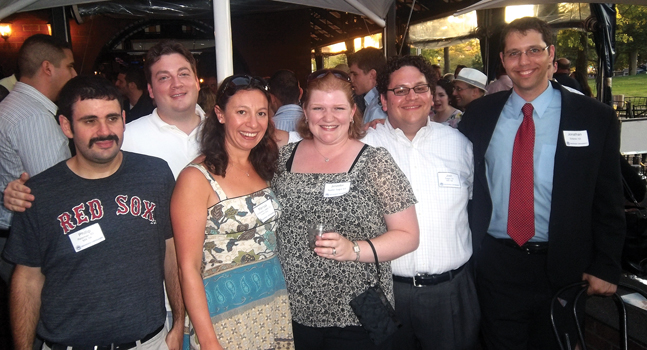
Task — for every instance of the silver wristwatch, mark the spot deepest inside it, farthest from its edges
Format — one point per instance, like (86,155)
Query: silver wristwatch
(356,250)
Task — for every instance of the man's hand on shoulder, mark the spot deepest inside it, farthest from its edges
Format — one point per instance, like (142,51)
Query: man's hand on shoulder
(17,196)
(281,137)
(599,286)
(373,123)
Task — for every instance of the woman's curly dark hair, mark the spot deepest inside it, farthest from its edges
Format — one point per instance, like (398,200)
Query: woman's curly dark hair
(263,156)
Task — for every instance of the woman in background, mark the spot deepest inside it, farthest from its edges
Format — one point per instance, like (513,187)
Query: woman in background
(444,112)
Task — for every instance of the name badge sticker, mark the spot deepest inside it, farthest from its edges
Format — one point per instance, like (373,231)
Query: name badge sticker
(576,138)
(264,211)
(449,180)
(86,238)
(336,190)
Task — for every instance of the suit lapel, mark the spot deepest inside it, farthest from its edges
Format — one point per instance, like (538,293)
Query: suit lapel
(487,124)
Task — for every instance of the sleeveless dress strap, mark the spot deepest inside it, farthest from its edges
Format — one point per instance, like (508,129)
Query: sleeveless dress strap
(214,184)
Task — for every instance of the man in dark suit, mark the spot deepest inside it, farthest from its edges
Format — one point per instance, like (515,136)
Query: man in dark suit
(563,74)
(547,203)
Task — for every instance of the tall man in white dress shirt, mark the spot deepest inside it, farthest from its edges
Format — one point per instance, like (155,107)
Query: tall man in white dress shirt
(171,132)
(30,139)
(435,297)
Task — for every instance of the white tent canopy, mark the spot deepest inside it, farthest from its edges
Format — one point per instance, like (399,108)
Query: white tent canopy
(375,10)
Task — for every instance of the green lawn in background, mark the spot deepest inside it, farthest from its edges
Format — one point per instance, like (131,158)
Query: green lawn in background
(630,86)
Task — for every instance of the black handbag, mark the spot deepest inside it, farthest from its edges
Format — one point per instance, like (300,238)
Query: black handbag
(634,252)
(374,311)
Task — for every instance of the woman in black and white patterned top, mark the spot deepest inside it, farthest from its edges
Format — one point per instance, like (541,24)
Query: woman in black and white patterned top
(331,177)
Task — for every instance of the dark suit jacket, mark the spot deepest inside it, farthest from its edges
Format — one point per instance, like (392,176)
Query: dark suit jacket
(144,106)
(587,226)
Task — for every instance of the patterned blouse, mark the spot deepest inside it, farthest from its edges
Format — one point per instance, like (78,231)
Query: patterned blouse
(320,289)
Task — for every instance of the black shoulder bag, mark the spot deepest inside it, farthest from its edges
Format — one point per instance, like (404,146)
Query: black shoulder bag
(374,311)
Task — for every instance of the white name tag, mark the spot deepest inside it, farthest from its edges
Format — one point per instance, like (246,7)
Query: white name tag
(336,190)
(87,237)
(449,180)
(264,211)
(576,138)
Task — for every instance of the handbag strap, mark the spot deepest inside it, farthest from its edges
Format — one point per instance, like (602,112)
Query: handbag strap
(633,199)
(377,265)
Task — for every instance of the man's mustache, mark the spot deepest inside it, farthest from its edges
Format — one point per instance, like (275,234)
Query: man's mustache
(106,138)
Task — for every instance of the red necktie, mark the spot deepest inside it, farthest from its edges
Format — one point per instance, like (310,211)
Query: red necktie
(521,207)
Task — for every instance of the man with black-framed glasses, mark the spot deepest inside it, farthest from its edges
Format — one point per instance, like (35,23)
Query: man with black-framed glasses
(547,209)
(435,298)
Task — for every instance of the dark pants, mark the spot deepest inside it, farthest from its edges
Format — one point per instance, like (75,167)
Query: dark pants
(334,338)
(442,316)
(515,295)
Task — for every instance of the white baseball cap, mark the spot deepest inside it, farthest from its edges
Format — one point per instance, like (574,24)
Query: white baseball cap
(473,77)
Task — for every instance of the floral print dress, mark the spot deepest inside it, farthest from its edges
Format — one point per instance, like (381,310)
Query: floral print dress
(243,280)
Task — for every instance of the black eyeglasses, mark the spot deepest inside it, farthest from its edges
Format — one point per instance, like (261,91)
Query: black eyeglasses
(404,91)
(339,74)
(242,81)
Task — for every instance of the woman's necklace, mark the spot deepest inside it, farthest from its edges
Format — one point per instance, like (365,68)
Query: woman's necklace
(326,159)
(246,172)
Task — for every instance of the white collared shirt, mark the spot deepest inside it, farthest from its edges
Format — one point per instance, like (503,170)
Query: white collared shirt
(439,166)
(152,136)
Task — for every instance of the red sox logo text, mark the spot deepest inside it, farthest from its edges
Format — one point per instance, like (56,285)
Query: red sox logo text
(92,210)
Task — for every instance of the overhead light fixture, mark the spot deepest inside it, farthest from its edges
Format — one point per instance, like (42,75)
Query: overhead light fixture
(5,30)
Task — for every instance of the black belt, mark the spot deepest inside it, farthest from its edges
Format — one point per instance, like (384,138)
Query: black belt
(421,280)
(4,233)
(123,346)
(528,247)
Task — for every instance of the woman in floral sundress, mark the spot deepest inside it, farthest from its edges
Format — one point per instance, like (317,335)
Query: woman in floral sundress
(224,219)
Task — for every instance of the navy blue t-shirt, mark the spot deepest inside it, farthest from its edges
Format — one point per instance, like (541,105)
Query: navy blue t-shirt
(108,291)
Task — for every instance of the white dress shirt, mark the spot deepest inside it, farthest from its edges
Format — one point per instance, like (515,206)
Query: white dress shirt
(438,163)
(152,136)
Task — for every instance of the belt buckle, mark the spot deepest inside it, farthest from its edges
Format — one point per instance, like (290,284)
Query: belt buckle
(414,281)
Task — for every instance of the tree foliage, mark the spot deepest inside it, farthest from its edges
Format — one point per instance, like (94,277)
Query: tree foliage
(467,54)
(631,33)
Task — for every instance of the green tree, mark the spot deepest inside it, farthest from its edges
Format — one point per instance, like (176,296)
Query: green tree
(631,35)
(467,54)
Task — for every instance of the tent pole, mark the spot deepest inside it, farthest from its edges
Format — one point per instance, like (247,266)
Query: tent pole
(222,35)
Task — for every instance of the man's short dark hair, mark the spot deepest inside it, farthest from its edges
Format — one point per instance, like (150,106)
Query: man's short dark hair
(396,62)
(367,59)
(82,88)
(167,47)
(135,75)
(37,49)
(285,86)
(523,25)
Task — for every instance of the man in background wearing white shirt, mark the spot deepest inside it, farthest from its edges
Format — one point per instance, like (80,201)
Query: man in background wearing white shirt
(435,297)
(171,132)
